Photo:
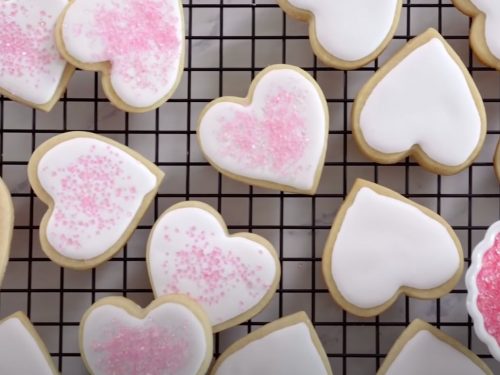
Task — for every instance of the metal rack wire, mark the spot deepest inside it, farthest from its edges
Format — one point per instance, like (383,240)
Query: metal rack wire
(228,42)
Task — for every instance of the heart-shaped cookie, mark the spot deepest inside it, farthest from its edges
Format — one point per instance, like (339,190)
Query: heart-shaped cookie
(288,346)
(171,336)
(485,29)
(22,350)
(483,286)
(347,34)
(138,45)
(97,191)
(497,161)
(422,102)
(31,69)
(274,138)
(6,227)
(424,349)
(190,252)
(382,245)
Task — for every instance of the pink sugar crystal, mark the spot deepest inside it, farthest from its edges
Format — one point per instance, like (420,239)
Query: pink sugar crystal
(140,39)
(25,50)
(488,284)
(214,271)
(274,141)
(139,351)
(93,194)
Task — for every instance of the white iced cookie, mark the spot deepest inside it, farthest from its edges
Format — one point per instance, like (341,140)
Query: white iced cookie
(171,336)
(137,44)
(288,346)
(485,29)
(6,227)
(424,103)
(276,137)
(97,190)
(382,245)
(190,252)
(483,287)
(496,161)
(31,69)
(424,349)
(347,34)
(22,350)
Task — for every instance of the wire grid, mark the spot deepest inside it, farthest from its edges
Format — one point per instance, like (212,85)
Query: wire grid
(228,42)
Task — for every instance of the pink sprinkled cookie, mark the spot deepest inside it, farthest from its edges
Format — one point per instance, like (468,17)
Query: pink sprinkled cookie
(6,226)
(31,69)
(97,190)
(190,252)
(22,349)
(171,336)
(276,137)
(137,44)
(483,286)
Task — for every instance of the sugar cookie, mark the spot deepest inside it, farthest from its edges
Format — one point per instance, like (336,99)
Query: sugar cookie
(483,286)
(6,227)
(22,349)
(190,252)
(424,103)
(485,29)
(424,349)
(138,45)
(171,336)
(276,137)
(288,346)
(31,69)
(382,245)
(347,34)
(97,190)
(497,161)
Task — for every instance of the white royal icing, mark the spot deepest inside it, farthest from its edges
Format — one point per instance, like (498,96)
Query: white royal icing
(426,354)
(97,190)
(384,243)
(487,244)
(30,65)
(424,100)
(170,340)
(288,351)
(190,253)
(280,137)
(143,40)
(20,352)
(491,10)
(351,29)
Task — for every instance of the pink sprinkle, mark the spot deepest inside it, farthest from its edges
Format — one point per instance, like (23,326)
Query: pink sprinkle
(275,141)
(90,197)
(211,270)
(26,51)
(488,284)
(139,351)
(140,38)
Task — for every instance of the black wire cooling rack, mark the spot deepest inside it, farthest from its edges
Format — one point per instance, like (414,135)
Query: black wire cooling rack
(228,42)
